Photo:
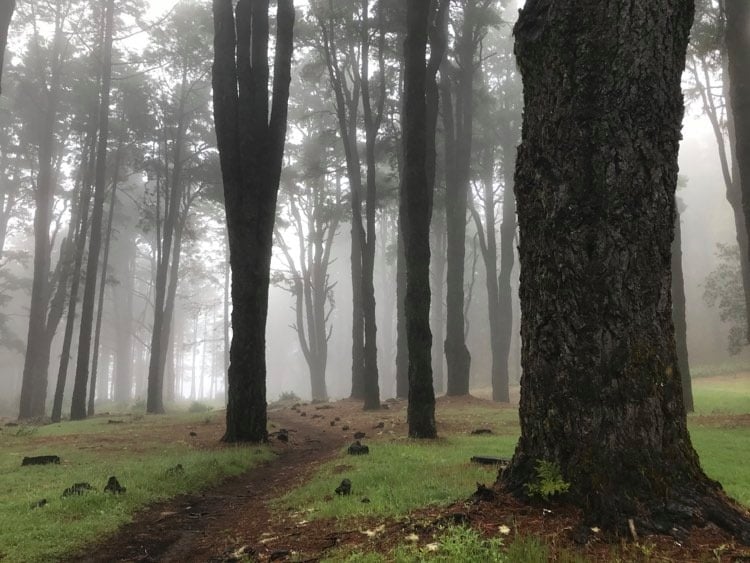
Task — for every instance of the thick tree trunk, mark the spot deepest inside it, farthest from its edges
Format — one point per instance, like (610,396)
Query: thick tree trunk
(78,406)
(251,147)
(36,363)
(597,170)
(738,53)
(416,210)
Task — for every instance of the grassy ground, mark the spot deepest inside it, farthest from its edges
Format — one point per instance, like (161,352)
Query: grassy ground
(138,451)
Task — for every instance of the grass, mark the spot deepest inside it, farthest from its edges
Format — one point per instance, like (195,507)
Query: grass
(398,477)
(722,395)
(138,453)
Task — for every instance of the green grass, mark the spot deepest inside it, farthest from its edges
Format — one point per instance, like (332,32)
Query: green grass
(399,476)
(135,452)
(724,395)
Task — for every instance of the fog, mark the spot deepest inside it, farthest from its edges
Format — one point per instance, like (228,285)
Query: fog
(148,95)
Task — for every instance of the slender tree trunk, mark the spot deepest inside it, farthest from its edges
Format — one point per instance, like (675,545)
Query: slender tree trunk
(679,313)
(6,13)
(78,406)
(505,293)
(123,307)
(438,298)
(738,46)
(251,146)
(602,394)
(402,347)
(103,287)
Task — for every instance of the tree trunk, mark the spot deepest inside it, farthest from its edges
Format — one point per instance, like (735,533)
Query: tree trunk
(416,211)
(402,346)
(438,262)
(6,13)
(251,148)
(595,179)
(78,406)
(81,236)
(36,363)
(738,44)
(679,313)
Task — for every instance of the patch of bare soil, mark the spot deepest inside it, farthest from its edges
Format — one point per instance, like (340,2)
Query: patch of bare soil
(233,521)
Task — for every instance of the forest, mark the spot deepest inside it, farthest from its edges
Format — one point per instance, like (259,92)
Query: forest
(374,280)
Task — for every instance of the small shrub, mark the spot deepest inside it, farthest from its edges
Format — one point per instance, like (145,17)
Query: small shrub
(197,406)
(288,396)
(527,549)
(549,481)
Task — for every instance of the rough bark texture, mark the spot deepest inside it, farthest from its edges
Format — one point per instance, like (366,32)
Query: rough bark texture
(251,146)
(595,180)
(78,404)
(679,314)
(416,204)
(738,53)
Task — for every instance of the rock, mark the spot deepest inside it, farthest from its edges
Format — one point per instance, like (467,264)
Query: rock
(303,414)
(113,486)
(359,435)
(385,406)
(77,489)
(345,488)
(283,435)
(337,419)
(324,407)
(333,423)
(379,425)
(175,471)
(193,435)
(11,424)
(481,431)
(317,416)
(40,460)
(345,427)
(39,504)
(110,421)
(358,449)
(365,500)
(279,554)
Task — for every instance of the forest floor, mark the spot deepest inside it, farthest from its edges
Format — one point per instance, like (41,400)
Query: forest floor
(285,509)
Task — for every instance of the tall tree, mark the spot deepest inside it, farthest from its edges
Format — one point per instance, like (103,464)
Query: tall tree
(457,91)
(420,119)
(6,13)
(601,391)
(78,405)
(738,53)
(251,145)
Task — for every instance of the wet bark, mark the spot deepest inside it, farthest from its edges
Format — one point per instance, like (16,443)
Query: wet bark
(251,146)
(738,54)
(78,405)
(595,180)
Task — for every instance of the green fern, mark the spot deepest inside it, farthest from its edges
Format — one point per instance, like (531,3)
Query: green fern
(549,481)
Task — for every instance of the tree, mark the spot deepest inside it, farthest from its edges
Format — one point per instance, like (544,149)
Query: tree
(724,290)
(457,83)
(420,119)
(6,13)
(251,145)
(738,44)
(595,182)
(78,408)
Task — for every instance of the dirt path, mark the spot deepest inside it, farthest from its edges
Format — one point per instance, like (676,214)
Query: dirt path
(212,525)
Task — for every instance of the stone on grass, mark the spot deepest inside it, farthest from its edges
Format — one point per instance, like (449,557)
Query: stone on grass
(358,449)
(345,488)
(113,486)
(40,460)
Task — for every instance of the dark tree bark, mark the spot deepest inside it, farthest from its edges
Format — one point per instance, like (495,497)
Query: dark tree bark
(679,313)
(6,13)
(738,53)
(251,147)
(595,180)
(78,405)
(416,209)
